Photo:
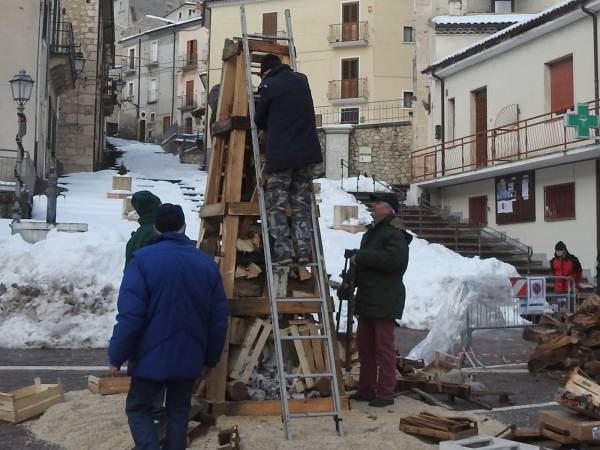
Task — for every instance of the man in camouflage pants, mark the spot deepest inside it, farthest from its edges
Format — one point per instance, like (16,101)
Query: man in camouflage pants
(286,112)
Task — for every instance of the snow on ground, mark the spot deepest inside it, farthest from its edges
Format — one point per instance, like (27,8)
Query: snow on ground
(61,292)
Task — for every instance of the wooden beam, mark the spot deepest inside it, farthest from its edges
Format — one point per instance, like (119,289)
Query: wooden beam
(233,123)
(273,407)
(267,47)
(215,209)
(260,306)
(216,383)
(230,49)
(243,209)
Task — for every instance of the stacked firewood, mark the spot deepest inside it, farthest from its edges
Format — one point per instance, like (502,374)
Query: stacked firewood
(573,340)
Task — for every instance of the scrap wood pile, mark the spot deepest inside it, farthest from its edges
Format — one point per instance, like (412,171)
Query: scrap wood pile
(443,377)
(571,341)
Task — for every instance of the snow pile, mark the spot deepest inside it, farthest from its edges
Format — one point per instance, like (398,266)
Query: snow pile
(61,292)
(481,19)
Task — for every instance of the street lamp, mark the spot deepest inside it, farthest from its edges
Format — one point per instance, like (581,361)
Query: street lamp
(21,86)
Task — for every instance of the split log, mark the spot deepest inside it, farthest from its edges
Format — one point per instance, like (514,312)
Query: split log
(551,353)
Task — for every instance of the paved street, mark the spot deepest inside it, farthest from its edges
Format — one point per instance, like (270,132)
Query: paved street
(492,348)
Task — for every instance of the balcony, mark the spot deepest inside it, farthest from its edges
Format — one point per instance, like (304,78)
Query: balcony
(540,141)
(129,66)
(349,34)
(187,102)
(194,61)
(388,111)
(349,91)
(62,56)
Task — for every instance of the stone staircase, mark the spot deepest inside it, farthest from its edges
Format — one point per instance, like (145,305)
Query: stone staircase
(438,226)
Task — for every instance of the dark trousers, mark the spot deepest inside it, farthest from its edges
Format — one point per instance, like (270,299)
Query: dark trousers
(143,394)
(377,355)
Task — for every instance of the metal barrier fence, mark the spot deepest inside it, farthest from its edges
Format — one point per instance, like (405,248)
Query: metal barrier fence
(531,300)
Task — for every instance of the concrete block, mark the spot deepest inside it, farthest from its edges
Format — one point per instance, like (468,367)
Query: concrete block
(343,213)
(33,232)
(121,183)
(485,443)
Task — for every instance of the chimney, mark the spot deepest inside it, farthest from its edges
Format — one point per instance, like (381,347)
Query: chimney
(503,6)
(457,7)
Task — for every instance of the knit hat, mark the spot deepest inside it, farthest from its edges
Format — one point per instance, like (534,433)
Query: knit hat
(145,203)
(560,245)
(169,218)
(390,199)
(268,62)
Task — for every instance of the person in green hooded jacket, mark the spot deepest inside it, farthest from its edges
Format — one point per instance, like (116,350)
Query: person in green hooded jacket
(145,204)
(380,263)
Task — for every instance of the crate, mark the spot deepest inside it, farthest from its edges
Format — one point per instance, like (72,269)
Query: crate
(568,428)
(30,401)
(108,385)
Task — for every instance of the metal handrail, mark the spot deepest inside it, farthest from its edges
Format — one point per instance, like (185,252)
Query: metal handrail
(348,32)
(348,89)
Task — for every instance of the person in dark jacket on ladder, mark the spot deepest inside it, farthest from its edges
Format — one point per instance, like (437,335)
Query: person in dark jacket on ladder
(171,325)
(380,265)
(285,111)
(564,264)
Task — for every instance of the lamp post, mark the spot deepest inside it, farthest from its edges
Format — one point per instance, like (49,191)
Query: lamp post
(21,86)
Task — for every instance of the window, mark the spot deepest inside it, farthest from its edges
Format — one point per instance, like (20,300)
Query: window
(349,115)
(189,93)
(409,34)
(180,16)
(561,85)
(190,12)
(152,90)
(319,120)
(559,202)
(130,89)
(154,51)
(152,116)
(349,78)
(166,123)
(131,60)
(350,21)
(451,120)
(407,99)
(192,53)
(189,125)
(269,25)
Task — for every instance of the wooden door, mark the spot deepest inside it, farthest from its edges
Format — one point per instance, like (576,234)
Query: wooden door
(166,124)
(189,125)
(561,85)
(189,93)
(192,52)
(269,25)
(481,128)
(349,88)
(350,21)
(478,210)
(142,133)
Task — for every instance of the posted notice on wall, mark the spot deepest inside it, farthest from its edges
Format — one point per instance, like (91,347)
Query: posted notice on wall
(505,207)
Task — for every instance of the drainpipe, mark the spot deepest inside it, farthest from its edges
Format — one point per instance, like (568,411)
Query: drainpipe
(596,109)
(173,78)
(443,120)
(139,99)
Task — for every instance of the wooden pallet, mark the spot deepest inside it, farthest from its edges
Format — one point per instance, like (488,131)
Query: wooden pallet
(108,385)
(231,233)
(439,427)
(30,401)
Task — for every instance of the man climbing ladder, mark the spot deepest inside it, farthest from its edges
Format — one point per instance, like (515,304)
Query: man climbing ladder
(285,110)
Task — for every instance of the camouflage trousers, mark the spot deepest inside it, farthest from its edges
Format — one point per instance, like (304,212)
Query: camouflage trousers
(292,188)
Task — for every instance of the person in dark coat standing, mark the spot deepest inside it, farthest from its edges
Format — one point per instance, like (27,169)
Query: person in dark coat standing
(145,204)
(564,264)
(380,265)
(171,326)
(285,111)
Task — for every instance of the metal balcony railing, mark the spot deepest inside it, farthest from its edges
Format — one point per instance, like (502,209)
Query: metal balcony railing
(347,89)
(366,113)
(536,136)
(63,40)
(192,61)
(348,32)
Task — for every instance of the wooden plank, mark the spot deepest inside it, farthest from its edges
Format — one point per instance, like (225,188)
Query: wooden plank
(108,385)
(215,385)
(273,407)
(227,125)
(238,331)
(213,210)
(260,306)
(437,434)
(318,350)
(256,352)
(431,399)
(235,371)
(308,348)
(267,47)
(302,357)
(243,209)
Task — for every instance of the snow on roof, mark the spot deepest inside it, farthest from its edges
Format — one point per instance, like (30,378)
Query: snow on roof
(164,27)
(481,19)
(493,39)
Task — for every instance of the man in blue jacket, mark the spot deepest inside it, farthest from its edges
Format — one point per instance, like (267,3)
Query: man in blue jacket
(285,111)
(171,325)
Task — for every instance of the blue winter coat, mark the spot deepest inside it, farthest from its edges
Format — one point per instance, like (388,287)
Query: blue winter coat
(172,312)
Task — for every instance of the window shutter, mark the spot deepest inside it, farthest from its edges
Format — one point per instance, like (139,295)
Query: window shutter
(270,24)
(561,85)
(559,202)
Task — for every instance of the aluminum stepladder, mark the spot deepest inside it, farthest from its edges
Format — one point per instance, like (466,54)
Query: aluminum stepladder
(318,260)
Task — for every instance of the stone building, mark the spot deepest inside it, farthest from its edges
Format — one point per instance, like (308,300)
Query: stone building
(81,128)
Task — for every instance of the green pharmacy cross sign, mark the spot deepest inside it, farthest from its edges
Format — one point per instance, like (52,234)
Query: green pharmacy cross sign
(582,120)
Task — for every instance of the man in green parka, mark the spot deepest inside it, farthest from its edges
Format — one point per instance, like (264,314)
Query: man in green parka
(145,204)
(380,265)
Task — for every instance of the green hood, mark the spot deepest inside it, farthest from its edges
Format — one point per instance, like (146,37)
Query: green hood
(145,203)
